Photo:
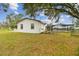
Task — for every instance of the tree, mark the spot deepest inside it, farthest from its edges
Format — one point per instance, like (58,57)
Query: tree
(32,9)
(12,20)
(4,6)
(52,10)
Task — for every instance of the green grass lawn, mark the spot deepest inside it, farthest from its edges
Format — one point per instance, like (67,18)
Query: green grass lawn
(22,44)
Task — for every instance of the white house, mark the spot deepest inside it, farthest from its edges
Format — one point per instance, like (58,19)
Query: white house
(30,26)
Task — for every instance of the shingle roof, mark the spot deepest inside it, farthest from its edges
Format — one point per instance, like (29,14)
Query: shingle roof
(31,19)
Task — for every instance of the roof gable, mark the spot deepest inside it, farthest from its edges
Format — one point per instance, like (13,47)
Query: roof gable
(31,19)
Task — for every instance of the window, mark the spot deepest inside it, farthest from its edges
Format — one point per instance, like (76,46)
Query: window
(32,26)
(21,26)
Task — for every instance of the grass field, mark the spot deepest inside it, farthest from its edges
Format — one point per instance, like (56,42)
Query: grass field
(22,44)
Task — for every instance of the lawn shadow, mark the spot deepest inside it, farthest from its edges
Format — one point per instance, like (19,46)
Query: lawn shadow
(77,52)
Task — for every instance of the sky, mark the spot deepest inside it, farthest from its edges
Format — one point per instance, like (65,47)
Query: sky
(18,9)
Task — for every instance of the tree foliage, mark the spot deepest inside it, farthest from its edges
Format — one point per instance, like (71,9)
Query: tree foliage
(13,19)
(4,6)
(53,9)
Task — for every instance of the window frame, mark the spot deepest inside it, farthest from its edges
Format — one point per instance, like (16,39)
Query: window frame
(32,26)
(21,26)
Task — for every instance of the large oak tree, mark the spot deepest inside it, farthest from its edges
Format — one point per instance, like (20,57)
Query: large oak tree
(52,10)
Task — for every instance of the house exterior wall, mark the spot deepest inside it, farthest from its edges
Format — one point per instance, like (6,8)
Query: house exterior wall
(38,27)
